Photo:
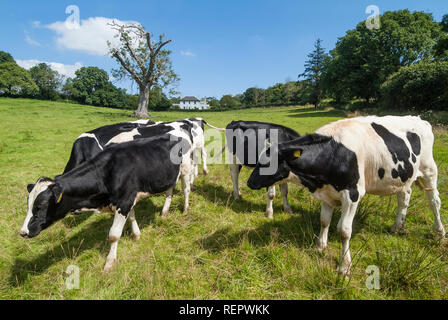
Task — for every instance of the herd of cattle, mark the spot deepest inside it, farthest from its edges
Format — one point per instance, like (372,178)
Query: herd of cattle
(113,167)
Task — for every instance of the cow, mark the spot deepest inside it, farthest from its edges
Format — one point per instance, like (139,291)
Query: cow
(108,181)
(244,136)
(344,160)
(90,143)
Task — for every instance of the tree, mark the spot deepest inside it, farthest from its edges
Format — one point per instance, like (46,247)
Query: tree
(87,81)
(48,80)
(142,60)
(314,68)
(364,58)
(16,81)
(92,86)
(421,86)
(6,57)
(441,49)
(229,102)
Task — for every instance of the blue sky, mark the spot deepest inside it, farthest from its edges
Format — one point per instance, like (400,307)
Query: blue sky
(219,47)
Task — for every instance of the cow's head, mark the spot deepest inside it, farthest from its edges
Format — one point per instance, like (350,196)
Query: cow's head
(43,202)
(296,155)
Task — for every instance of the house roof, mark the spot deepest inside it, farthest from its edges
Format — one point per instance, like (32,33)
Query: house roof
(189,98)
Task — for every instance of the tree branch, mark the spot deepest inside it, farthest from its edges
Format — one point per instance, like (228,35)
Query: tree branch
(127,68)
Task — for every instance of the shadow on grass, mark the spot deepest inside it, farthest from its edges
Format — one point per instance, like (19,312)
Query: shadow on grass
(316,113)
(91,236)
(297,230)
(220,195)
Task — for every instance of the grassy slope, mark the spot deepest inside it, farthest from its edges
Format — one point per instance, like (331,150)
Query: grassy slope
(222,248)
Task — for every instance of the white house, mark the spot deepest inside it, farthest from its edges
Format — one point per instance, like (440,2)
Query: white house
(190,103)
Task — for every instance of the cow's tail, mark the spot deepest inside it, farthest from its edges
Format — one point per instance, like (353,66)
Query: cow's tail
(219,154)
(208,124)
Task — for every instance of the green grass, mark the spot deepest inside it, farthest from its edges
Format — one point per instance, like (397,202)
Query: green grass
(221,249)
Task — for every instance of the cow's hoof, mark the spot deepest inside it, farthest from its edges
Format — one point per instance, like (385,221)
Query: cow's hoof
(270,215)
(109,265)
(320,247)
(344,271)
(186,210)
(205,171)
(287,210)
(164,214)
(136,236)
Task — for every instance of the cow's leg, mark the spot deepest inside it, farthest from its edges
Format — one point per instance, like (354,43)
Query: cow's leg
(284,192)
(186,173)
(204,160)
(432,196)
(234,173)
(326,213)
(114,236)
(195,163)
(270,195)
(135,229)
(403,204)
(166,206)
(194,170)
(345,229)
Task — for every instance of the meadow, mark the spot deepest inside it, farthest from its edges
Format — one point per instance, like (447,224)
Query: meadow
(221,249)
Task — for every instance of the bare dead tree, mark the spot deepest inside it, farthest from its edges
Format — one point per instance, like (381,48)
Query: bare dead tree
(143,60)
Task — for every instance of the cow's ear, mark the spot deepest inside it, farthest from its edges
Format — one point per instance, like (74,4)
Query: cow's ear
(30,187)
(289,152)
(57,192)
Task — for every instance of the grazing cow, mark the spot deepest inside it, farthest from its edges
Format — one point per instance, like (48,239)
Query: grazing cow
(344,160)
(243,141)
(108,181)
(90,143)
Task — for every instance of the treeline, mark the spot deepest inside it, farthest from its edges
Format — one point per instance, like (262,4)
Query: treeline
(90,86)
(403,64)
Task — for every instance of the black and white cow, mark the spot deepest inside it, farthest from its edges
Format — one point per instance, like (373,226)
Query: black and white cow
(245,145)
(108,181)
(90,143)
(344,160)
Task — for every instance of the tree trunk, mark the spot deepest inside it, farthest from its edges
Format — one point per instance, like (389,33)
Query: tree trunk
(142,110)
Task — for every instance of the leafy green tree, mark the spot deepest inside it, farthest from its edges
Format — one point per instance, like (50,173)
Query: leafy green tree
(314,68)
(6,57)
(229,102)
(92,86)
(142,60)
(420,86)
(16,81)
(158,100)
(48,81)
(441,50)
(253,97)
(363,58)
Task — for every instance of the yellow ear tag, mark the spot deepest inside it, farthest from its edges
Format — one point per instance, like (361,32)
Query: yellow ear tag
(60,198)
(297,153)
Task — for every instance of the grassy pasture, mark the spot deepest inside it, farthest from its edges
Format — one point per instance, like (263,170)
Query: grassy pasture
(222,249)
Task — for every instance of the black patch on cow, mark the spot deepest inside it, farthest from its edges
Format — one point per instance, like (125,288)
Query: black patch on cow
(414,140)
(398,150)
(323,161)
(235,143)
(414,159)
(381,173)
(394,173)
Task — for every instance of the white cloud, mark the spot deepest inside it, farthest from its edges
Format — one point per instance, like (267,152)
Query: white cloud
(67,70)
(90,35)
(187,53)
(30,41)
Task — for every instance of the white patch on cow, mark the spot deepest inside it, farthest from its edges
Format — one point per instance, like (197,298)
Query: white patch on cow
(140,121)
(39,187)
(124,137)
(91,135)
